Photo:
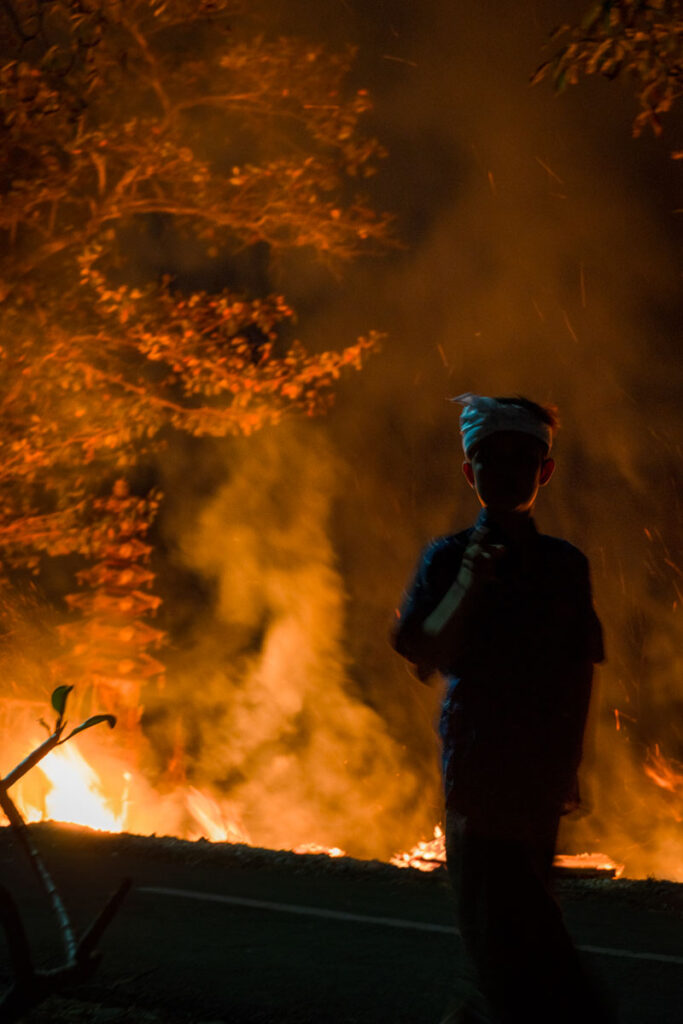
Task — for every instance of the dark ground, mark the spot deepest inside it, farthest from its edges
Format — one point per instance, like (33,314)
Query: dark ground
(178,959)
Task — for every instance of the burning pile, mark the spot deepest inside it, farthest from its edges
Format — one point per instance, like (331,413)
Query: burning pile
(66,787)
(427,855)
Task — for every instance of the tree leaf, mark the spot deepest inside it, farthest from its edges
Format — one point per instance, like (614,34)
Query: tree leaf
(592,16)
(89,722)
(59,697)
(539,73)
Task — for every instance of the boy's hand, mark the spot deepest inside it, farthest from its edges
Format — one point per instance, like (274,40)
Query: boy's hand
(480,560)
(478,567)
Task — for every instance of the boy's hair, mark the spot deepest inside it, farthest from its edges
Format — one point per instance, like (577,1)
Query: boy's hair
(548,414)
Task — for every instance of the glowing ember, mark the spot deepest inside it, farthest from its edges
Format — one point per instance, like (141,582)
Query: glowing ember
(426,856)
(431,854)
(331,851)
(588,863)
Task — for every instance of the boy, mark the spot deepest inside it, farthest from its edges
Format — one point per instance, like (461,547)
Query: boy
(505,614)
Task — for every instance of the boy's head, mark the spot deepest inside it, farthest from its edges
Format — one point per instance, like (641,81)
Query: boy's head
(507,443)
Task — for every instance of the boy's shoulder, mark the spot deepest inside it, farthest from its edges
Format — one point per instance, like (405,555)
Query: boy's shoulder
(449,547)
(562,550)
(443,550)
(447,542)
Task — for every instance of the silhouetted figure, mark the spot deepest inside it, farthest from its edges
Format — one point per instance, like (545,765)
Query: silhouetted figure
(506,615)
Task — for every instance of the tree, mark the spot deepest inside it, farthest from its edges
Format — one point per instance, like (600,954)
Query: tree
(122,123)
(119,120)
(632,38)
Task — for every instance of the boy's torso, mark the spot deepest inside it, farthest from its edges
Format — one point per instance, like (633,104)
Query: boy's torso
(533,617)
(513,716)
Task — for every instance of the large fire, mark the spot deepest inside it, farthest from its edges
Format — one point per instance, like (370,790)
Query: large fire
(319,765)
(67,787)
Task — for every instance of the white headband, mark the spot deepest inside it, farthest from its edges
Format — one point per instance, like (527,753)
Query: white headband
(483,416)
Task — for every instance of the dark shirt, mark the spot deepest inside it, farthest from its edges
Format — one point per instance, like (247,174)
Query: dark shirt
(518,686)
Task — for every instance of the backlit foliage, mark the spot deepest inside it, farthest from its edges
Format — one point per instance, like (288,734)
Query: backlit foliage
(119,120)
(639,39)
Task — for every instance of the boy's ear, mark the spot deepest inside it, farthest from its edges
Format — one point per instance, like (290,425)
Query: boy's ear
(468,473)
(547,470)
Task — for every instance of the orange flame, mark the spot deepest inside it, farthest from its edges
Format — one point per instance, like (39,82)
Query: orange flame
(66,787)
(427,855)
(212,821)
(74,793)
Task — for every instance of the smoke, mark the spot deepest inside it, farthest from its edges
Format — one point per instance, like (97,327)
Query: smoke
(540,259)
(273,722)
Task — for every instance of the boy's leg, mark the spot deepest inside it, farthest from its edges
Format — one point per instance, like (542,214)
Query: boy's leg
(467,875)
(512,928)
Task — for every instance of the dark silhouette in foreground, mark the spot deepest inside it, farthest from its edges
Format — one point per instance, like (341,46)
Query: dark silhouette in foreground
(506,615)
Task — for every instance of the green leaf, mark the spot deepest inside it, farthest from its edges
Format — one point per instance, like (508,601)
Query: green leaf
(59,697)
(89,722)
(592,16)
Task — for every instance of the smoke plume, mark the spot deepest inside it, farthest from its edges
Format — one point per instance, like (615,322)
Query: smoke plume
(540,259)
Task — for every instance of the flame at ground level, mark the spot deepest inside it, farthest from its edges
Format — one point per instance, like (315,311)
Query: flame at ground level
(67,787)
(431,853)
(72,791)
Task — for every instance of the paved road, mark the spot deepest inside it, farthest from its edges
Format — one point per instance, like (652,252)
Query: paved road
(212,935)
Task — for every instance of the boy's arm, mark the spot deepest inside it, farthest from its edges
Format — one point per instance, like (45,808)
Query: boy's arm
(435,617)
(477,569)
(438,565)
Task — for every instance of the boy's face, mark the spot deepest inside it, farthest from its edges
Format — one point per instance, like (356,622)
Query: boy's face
(506,470)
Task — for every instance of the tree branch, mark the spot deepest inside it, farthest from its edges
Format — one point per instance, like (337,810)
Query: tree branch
(32,759)
(93,934)
(17,822)
(152,62)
